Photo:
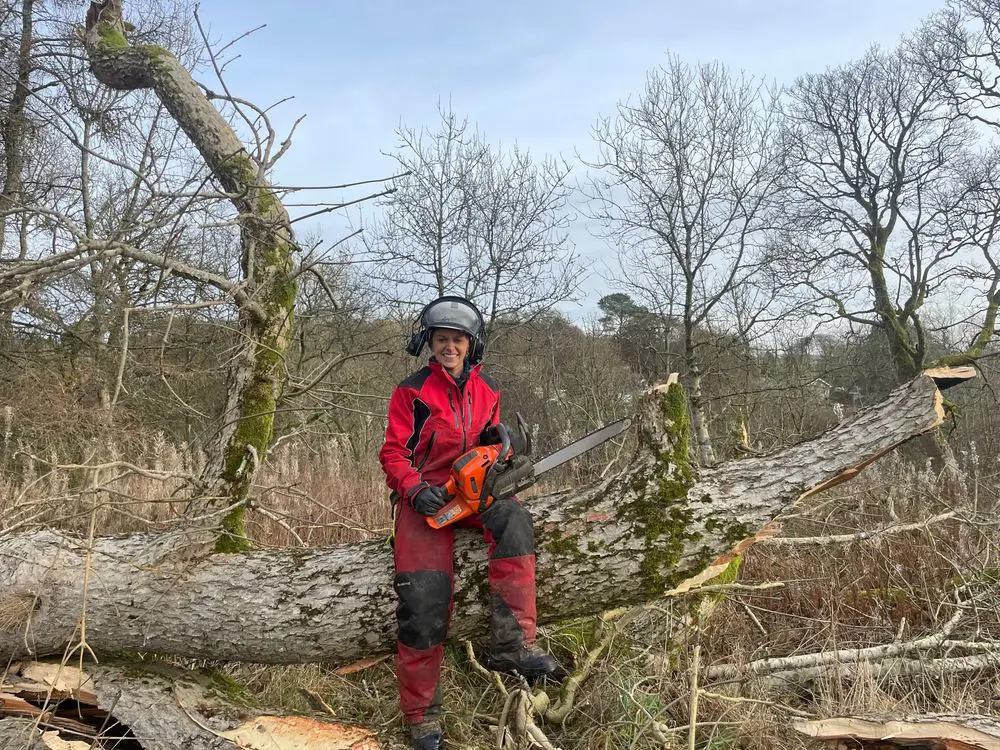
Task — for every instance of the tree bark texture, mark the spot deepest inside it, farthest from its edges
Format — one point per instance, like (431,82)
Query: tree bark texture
(618,542)
(154,705)
(21,734)
(269,289)
(13,134)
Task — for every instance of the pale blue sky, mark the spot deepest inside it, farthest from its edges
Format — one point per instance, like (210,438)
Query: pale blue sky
(539,73)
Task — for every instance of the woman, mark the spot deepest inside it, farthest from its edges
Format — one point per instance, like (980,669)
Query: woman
(435,415)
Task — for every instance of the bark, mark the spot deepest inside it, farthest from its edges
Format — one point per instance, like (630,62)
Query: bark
(702,438)
(157,707)
(948,731)
(21,734)
(265,304)
(13,133)
(619,542)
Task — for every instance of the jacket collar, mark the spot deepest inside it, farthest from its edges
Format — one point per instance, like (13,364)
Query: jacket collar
(438,368)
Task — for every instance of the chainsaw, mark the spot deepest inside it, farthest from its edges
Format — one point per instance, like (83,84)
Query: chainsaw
(488,473)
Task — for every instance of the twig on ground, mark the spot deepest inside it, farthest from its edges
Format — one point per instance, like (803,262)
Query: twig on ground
(837,656)
(693,710)
(857,537)
(770,704)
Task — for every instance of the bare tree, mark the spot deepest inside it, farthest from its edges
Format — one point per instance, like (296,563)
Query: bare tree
(93,165)
(421,240)
(13,136)
(687,177)
(521,259)
(265,296)
(890,206)
(962,43)
(469,219)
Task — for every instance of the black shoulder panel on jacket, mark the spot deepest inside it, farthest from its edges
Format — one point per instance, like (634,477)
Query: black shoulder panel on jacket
(416,380)
(493,384)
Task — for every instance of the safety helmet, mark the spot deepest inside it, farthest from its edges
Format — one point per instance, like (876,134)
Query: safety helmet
(455,313)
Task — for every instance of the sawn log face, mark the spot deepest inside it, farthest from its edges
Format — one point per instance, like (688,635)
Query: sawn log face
(616,543)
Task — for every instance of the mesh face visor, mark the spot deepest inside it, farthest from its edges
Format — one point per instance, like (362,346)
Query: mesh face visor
(452,314)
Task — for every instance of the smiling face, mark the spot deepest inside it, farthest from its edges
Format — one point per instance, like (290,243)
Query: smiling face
(450,349)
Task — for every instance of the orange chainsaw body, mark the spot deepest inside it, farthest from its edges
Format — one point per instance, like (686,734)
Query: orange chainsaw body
(464,488)
(486,470)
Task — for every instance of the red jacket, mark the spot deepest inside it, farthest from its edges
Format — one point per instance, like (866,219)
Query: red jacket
(431,423)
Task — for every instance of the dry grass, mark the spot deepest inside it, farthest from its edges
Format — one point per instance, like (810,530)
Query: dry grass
(305,495)
(318,497)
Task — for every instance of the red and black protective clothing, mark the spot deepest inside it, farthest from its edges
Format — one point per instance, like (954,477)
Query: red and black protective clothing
(433,420)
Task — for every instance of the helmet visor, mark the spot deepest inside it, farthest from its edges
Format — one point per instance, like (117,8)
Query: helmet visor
(453,314)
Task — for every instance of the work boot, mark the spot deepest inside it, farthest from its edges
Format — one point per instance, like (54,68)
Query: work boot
(426,735)
(526,659)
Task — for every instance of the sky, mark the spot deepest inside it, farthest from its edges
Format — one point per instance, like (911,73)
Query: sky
(535,73)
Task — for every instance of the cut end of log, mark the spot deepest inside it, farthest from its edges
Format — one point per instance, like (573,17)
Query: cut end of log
(946,377)
(266,732)
(672,379)
(662,419)
(952,731)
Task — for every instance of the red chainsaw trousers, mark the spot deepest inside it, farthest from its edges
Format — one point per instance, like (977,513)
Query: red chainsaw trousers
(425,584)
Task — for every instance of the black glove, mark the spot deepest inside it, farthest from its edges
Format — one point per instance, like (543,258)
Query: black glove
(428,501)
(491,436)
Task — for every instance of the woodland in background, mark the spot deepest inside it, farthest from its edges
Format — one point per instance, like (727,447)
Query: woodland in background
(791,253)
(794,254)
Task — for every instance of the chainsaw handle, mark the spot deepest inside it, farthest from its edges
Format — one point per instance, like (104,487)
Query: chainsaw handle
(522,426)
(504,442)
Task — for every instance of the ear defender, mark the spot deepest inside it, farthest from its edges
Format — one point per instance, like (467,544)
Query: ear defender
(416,344)
(478,350)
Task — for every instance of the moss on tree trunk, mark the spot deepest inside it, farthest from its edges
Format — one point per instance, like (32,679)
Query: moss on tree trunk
(266,303)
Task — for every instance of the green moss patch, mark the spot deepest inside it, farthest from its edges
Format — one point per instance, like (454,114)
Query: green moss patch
(660,509)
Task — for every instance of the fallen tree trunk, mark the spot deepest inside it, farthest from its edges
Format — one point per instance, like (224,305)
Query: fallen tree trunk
(619,542)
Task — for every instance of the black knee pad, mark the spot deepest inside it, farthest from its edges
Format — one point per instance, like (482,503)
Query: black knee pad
(424,607)
(510,525)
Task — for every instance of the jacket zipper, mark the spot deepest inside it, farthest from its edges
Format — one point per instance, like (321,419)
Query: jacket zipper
(427,453)
(459,420)
(468,410)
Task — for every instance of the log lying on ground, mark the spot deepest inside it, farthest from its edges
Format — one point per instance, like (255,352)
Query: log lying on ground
(616,543)
(946,731)
(931,656)
(150,705)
